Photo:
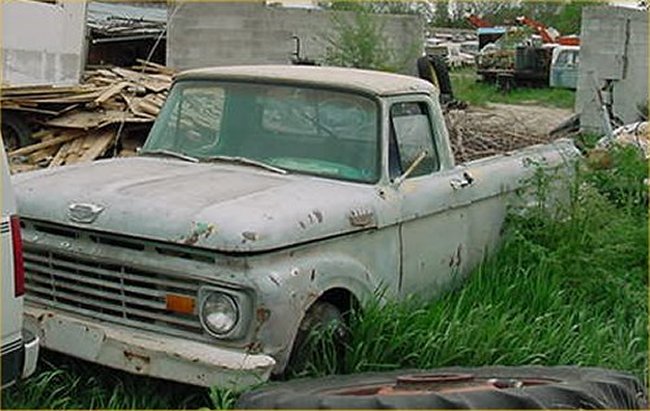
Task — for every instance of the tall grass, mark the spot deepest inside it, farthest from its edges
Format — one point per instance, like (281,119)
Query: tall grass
(467,88)
(567,288)
(64,382)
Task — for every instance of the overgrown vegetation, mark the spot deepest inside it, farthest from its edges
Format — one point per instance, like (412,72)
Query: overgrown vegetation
(358,41)
(569,290)
(467,88)
(564,15)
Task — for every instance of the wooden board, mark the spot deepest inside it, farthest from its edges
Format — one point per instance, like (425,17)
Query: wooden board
(44,144)
(153,84)
(101,141)
(74,151)
(59,158)
(113,90)
(43,155)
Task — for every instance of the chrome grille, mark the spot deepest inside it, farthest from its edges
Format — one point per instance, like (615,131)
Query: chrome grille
(4,227)
(113,292)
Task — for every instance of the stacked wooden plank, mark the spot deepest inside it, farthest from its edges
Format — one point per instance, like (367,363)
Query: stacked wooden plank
(110,113)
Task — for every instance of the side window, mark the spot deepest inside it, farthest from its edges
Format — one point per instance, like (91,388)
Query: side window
(411,136)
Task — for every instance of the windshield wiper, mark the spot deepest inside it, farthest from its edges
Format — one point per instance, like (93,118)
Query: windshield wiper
(244,160)
(170,153)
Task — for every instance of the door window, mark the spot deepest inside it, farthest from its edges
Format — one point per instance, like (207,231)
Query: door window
(411,137)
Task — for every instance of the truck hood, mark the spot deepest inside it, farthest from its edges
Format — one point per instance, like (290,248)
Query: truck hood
(230,208)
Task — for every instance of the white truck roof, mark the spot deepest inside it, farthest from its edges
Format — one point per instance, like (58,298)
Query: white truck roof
(367,81)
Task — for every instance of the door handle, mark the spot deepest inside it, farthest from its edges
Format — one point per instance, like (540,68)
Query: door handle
(465,181)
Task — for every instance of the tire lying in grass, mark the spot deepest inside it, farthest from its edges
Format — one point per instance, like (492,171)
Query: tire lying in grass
(469,388)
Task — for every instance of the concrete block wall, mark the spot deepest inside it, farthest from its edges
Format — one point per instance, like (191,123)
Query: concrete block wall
(614,46)
(43,43)
(216,34)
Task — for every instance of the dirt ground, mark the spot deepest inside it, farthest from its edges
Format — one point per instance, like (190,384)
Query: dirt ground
(531,119)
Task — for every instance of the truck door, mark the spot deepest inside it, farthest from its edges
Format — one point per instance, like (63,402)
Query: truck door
(433,226)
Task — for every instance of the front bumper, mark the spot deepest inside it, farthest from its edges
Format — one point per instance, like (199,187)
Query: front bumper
(147,353)
(19,358)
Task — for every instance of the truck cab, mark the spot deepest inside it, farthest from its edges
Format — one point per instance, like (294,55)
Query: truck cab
(565,66)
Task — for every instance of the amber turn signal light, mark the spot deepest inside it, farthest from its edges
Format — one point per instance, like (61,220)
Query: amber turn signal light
(180,303)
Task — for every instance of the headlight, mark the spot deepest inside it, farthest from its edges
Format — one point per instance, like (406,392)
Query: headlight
(219,313)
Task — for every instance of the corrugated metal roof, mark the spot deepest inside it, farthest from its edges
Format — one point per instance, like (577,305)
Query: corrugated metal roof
(98,11)
(118,20)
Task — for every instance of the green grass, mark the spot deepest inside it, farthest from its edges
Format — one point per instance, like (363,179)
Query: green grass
(65,382)
(569,290)
(466,88)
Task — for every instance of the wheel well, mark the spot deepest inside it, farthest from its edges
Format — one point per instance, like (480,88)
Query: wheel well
(341,298)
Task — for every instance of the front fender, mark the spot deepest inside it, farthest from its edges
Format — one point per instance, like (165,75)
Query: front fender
(289,287)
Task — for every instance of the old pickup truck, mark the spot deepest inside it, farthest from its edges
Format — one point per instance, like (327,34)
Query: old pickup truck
(265,200)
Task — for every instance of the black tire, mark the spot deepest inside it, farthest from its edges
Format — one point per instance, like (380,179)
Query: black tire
(442,73)
(425,71)
(15,131)
(323,324)
(434,70)
(503,387)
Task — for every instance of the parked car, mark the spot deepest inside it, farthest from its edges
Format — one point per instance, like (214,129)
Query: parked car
(19,346)
(267,200)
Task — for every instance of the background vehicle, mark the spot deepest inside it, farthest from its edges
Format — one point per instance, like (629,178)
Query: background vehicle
(19,347)
(513,55)
(565,66)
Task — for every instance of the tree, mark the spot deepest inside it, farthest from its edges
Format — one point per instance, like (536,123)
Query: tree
(358,42)
(441,14)
(423,8)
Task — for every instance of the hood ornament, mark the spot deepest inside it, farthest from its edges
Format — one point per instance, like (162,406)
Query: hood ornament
(84,212)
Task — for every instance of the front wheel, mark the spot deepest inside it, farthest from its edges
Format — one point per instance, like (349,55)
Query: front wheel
(319,345)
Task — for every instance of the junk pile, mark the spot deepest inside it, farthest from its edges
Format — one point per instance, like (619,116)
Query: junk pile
(110,113)
(499,128)
(634,134)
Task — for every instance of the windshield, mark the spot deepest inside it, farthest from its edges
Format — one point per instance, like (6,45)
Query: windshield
(305,130)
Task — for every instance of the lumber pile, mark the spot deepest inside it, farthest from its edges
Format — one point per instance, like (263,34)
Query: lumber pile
(109,114)
(476,134)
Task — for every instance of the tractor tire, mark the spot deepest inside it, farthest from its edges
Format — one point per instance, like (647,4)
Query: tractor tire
(458,387)
(425,71)
(442,73)
(15,131)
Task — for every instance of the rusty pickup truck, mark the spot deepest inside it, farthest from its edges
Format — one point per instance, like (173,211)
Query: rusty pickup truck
(265,199)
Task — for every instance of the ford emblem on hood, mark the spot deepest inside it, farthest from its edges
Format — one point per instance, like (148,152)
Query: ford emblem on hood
(84,212)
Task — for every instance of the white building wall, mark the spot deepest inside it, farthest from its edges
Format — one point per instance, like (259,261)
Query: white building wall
(42,43)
